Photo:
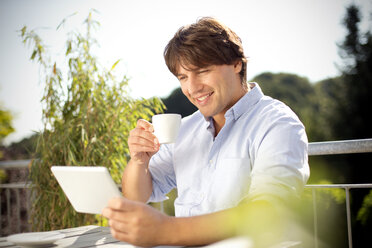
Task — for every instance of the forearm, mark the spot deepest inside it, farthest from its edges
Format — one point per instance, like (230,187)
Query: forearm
(136,182)
(253,219)
(197,230)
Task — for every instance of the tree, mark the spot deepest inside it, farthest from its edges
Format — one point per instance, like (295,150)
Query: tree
(327,98)
(353,114)
(6,127)
(178,103)
(355,96)
(23,149)
(87,115)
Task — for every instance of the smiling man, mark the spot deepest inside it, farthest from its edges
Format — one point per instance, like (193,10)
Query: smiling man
(237,158)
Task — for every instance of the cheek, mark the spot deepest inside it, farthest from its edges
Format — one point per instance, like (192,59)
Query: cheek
(185,91)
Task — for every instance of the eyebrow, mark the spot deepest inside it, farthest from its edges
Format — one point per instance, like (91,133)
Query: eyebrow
(180,74)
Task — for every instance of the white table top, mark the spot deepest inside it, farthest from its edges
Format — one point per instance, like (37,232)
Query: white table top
(85,236)
(97,236)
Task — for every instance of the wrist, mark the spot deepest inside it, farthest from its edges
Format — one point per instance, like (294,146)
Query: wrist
(139,163)
(169,233)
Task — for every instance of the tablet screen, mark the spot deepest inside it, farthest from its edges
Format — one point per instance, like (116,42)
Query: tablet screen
(88,188)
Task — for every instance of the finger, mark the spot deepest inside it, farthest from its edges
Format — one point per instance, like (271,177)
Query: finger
(144,140)
(139,132)
(141,123)
(116,203)
(136,149)
(120,235)
(121,204)
(115,215)
(119,226)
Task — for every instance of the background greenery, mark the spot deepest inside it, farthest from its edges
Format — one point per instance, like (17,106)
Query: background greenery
(87,115)
(87,123)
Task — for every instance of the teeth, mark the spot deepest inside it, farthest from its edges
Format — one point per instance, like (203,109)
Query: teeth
(203,97)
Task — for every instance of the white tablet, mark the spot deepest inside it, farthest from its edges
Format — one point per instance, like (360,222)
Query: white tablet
(88,188)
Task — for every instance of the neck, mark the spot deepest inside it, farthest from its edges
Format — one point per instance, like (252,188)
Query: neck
(218,123)
(219,120)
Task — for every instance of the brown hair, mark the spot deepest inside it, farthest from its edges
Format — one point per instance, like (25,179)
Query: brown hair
(204,43)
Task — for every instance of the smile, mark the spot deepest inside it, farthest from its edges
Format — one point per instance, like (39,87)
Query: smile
(203,99)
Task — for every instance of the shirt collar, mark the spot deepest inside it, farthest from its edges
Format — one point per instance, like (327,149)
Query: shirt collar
(241,106)
(246,102)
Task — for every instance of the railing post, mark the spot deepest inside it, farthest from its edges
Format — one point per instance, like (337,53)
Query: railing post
(18,210)
(315,219)
(1,213)
(8,208)
(28,207)
(348,216)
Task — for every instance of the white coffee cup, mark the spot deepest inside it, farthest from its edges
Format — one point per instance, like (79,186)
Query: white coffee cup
(166,127)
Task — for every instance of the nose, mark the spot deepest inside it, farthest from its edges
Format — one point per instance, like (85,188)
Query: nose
(194,85)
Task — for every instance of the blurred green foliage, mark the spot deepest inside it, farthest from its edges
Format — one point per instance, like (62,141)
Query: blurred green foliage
(3,176)
(87,115)
(5,124)
(365,212)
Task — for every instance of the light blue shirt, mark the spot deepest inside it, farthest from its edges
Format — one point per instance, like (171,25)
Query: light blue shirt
(261,151)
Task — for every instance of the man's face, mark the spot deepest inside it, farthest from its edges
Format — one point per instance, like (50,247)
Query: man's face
(214,89)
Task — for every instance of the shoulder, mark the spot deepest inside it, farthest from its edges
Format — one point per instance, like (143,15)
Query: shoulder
(274,111)
(273,122)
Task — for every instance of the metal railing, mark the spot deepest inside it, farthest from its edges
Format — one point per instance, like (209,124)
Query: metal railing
(15,196)
(338,147)
(315,148)
(347,188)
(17,189)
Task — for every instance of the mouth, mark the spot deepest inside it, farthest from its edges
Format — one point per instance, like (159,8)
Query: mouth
(203,99)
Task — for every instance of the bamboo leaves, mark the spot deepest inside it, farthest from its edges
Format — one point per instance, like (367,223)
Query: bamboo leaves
(87,116)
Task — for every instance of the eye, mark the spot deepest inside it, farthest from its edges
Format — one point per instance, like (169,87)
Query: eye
(181,78)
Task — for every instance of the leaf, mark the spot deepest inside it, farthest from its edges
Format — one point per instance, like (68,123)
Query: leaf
(64,20)
(33,55)
(114,65)
(23,31)
(68,50)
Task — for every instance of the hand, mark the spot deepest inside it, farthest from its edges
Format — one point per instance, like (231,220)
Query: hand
(135,222)
(142,143)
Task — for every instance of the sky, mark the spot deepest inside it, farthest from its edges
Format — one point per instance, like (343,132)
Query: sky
(293,36)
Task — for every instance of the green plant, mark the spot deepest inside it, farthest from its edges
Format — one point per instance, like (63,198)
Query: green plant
(3,176)
(87,115)
(5,124)
(365,212)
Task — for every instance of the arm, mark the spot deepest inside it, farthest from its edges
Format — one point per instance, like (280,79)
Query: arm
(140,224)
(136,180)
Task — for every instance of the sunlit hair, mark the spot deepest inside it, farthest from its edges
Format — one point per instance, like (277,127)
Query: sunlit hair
(204,43)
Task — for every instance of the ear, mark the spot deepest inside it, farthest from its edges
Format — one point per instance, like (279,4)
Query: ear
(237,66)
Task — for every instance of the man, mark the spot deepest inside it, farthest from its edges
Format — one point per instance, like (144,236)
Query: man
(235,158)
